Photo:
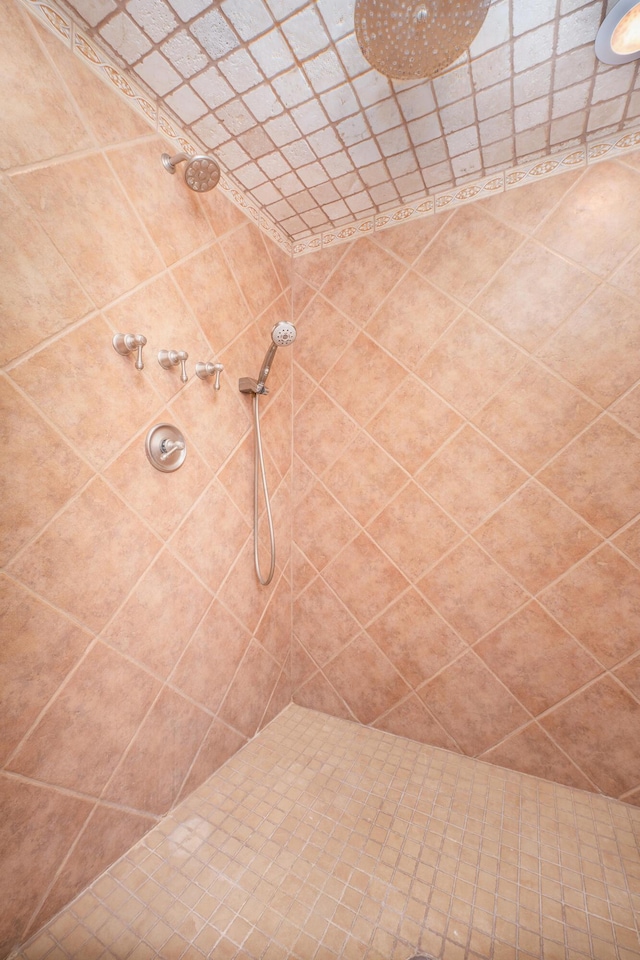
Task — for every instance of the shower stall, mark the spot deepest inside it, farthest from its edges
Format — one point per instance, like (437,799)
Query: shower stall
(416,738)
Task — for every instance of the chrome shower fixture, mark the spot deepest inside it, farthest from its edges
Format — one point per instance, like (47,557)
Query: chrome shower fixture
(126,343)
(171,358)
(201,173)
(207,370)
(406,40)
(282,335)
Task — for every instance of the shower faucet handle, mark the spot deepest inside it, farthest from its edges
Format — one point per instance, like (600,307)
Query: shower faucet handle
(206,370)
(171,358)
(126,343)
(169,447)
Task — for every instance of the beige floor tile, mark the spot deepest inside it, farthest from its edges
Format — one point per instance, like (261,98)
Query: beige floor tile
(322,839)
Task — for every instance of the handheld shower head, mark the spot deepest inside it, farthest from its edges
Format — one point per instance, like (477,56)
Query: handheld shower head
(282,335)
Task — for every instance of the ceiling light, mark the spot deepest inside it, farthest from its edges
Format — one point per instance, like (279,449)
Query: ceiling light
(618,39)
(416,39)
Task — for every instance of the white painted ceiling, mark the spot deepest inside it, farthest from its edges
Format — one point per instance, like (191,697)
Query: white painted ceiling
(279,93)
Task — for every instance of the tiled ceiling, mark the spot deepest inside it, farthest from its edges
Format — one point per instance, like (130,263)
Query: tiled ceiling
(279,92)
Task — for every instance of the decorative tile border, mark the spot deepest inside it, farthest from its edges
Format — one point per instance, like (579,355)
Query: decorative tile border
(308,245)
(351,231)
(52,18)
(546,167)
(596,149)
(410,211)
(469,192)
(606,148)
(83,48)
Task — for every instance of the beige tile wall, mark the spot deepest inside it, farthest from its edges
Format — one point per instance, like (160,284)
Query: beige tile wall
(467,451)
(138,653)
(467,438)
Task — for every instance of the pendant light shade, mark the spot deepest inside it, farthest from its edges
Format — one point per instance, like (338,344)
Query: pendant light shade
(408,40)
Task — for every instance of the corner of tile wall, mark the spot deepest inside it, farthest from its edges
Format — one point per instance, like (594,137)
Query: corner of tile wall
(52,18)
(596,149)
(61,27)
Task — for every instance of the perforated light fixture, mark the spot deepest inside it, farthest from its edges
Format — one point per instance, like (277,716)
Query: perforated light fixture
(618,39)
(409,40)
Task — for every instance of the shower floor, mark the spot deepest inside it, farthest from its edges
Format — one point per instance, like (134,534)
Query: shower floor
(323,839)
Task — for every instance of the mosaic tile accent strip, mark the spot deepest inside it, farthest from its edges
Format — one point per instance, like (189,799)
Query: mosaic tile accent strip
(608,147)
(324,839)
(542,168)
(133,95)
(317,141)
(52,18)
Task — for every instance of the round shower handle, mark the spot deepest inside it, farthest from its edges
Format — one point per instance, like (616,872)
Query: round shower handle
(171,358)
(165,447)
(171,162)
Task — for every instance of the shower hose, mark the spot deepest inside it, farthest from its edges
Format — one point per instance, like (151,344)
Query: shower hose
(259,473)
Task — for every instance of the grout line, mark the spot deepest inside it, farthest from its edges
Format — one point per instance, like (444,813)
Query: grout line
(51,701)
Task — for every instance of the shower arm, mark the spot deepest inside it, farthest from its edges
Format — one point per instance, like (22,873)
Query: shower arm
(170,162)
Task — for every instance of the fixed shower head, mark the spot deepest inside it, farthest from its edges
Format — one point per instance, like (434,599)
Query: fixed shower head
(406,40)
(283,333)
(201,173)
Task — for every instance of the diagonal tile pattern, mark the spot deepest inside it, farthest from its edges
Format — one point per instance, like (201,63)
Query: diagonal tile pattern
(500,579)
(470,478)
(599,601)
(535,537)
(364,478)
(432,423)
(471,591)
(414,531)
(536,659)
(401,631)
(469,363)
(534,416)
(167,649)
(124,671)
(470,702)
